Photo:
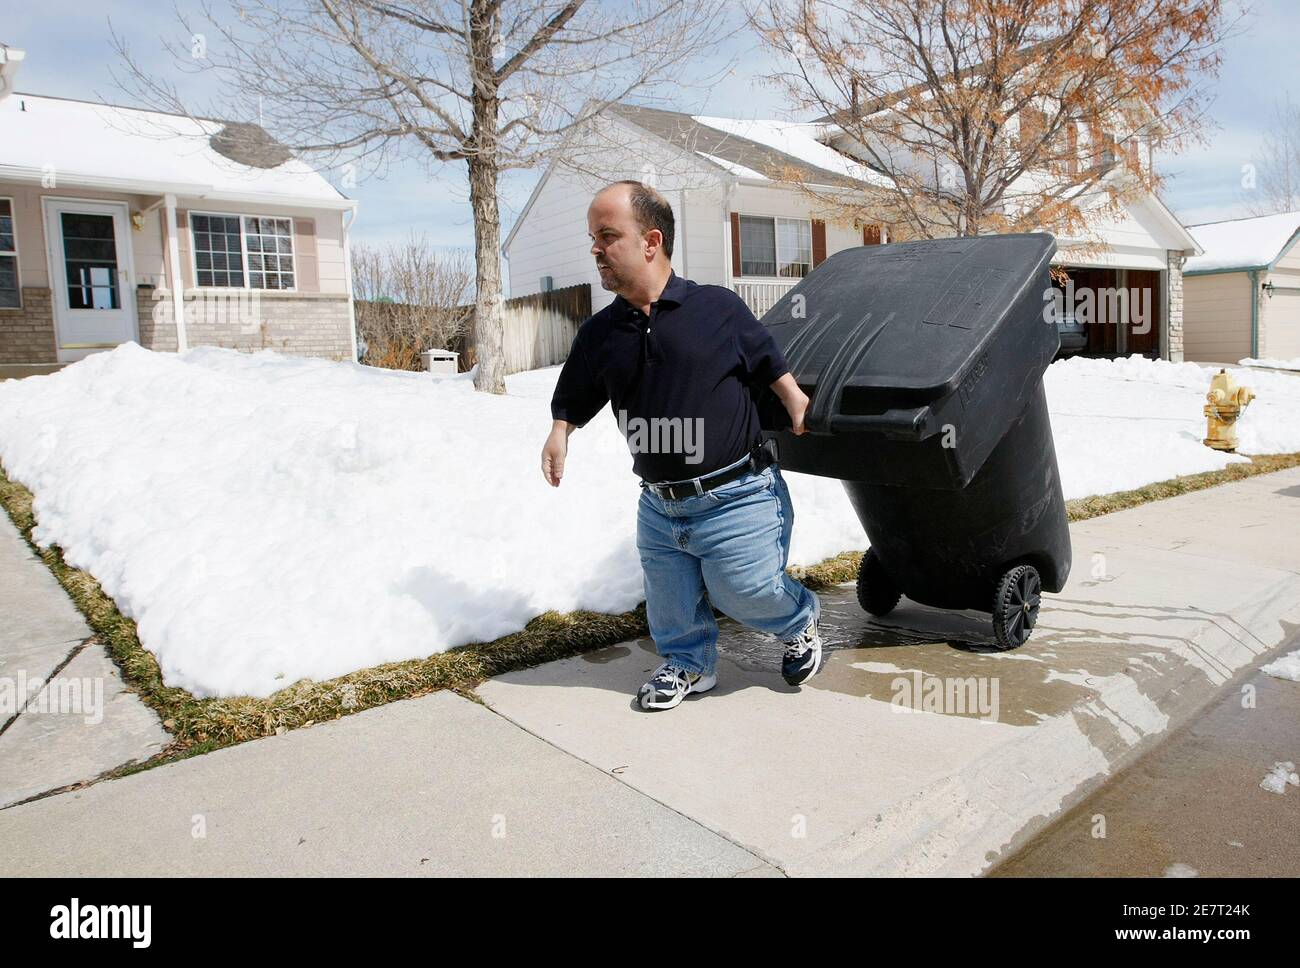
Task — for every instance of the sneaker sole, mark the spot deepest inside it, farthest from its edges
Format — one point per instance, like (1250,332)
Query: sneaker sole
(703,685)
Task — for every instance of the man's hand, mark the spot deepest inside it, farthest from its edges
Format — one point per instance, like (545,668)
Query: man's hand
(554,452)
(793,399)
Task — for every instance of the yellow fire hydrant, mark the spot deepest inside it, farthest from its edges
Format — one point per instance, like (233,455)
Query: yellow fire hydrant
(1226,403)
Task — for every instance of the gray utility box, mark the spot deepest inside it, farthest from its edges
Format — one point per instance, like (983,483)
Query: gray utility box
(440,361)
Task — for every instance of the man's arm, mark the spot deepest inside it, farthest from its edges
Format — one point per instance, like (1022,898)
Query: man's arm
(793,399)
(763,361)
(578,397)
(556,450)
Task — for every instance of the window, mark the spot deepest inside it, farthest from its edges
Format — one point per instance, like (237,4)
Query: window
(243,251)
(775,246)
(10,296)
(90,260)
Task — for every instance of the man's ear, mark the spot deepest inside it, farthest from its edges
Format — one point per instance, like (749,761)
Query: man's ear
(654,240)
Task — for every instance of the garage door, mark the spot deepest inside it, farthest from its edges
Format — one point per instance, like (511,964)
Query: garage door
(1282,325)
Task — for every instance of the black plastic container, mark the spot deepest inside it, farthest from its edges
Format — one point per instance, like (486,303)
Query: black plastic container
(924,363)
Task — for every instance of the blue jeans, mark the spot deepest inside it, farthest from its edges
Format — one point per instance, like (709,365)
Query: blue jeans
(726,547)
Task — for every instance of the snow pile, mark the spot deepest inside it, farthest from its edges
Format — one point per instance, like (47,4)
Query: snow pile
(1287,667)
(1119,424)
(265,518)
(1293,364)
(1279,777)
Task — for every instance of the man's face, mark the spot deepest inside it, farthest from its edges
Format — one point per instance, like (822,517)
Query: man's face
(617,242)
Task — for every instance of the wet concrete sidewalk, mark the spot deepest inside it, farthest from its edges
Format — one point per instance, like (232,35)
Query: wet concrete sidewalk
(65,715)
(561,774)
(1166,604)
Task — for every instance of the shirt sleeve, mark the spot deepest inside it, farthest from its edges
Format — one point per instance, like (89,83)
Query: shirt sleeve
(760,358)
(578,396)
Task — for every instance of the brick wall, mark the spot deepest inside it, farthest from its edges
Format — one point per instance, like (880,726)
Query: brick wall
(298,324)
(1175,298)
(157,323)
(27,334)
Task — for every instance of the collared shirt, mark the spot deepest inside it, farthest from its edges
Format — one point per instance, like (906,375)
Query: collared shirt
(682,382)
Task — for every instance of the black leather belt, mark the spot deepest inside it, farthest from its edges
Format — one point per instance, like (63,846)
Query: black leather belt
(760,457)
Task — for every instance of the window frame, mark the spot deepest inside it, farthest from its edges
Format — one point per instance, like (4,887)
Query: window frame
(243,250)
(18,265)
(776,246)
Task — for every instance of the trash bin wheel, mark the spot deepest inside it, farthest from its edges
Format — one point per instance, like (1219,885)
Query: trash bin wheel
(1015,606)
(877,592)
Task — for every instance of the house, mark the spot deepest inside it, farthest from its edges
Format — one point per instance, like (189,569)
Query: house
(107,212)
(742,223)
(1241,298)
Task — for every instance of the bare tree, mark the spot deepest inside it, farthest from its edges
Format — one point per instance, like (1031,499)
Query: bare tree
(996,115)
(493,84)
(1277,178)
(410,298)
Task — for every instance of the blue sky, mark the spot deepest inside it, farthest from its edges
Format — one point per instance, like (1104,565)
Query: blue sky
(69,54)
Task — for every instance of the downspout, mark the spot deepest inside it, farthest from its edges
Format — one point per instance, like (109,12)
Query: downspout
(1254,313)
(347,269)
(174,269)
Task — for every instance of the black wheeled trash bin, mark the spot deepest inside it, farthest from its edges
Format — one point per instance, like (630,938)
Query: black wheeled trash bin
(924,365)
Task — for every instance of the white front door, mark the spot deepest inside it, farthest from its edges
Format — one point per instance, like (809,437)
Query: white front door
(92,275)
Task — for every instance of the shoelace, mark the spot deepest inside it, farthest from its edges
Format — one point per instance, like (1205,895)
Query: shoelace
(670,674)
(798,646)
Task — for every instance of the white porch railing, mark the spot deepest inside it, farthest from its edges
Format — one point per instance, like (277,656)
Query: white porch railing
(762,296)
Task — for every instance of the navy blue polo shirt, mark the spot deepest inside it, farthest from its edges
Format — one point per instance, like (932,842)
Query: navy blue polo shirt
(682,382)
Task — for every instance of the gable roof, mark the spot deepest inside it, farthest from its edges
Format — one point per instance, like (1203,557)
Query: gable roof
(1243,243)
(95,145)
(757,148)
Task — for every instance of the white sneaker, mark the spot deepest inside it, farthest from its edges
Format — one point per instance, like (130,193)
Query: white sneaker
(671,684)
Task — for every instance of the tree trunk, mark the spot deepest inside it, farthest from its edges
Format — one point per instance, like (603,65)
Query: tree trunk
(489,306)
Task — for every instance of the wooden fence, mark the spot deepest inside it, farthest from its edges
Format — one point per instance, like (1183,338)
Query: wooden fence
(539,329)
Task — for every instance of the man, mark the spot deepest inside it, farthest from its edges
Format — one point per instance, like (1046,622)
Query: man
(678,361)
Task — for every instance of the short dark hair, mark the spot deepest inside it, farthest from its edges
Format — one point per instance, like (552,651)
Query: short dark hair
(652,211)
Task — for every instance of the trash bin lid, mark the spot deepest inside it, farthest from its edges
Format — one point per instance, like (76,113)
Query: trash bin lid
(913,317)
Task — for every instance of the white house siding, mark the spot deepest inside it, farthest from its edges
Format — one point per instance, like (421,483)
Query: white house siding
(1133,240)
(551,239)
(705,253)
(1216,317)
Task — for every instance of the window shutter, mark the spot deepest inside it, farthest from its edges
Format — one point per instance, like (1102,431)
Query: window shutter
(819,242)
(871,235)
(735,244)
(304,251)
(1131,153)
(1031,127)
(1072,148)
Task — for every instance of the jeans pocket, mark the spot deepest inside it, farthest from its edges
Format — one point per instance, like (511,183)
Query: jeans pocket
(740,488)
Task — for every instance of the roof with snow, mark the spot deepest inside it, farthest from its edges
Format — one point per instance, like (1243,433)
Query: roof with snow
(758,149)
(147,152)
(1242,243)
